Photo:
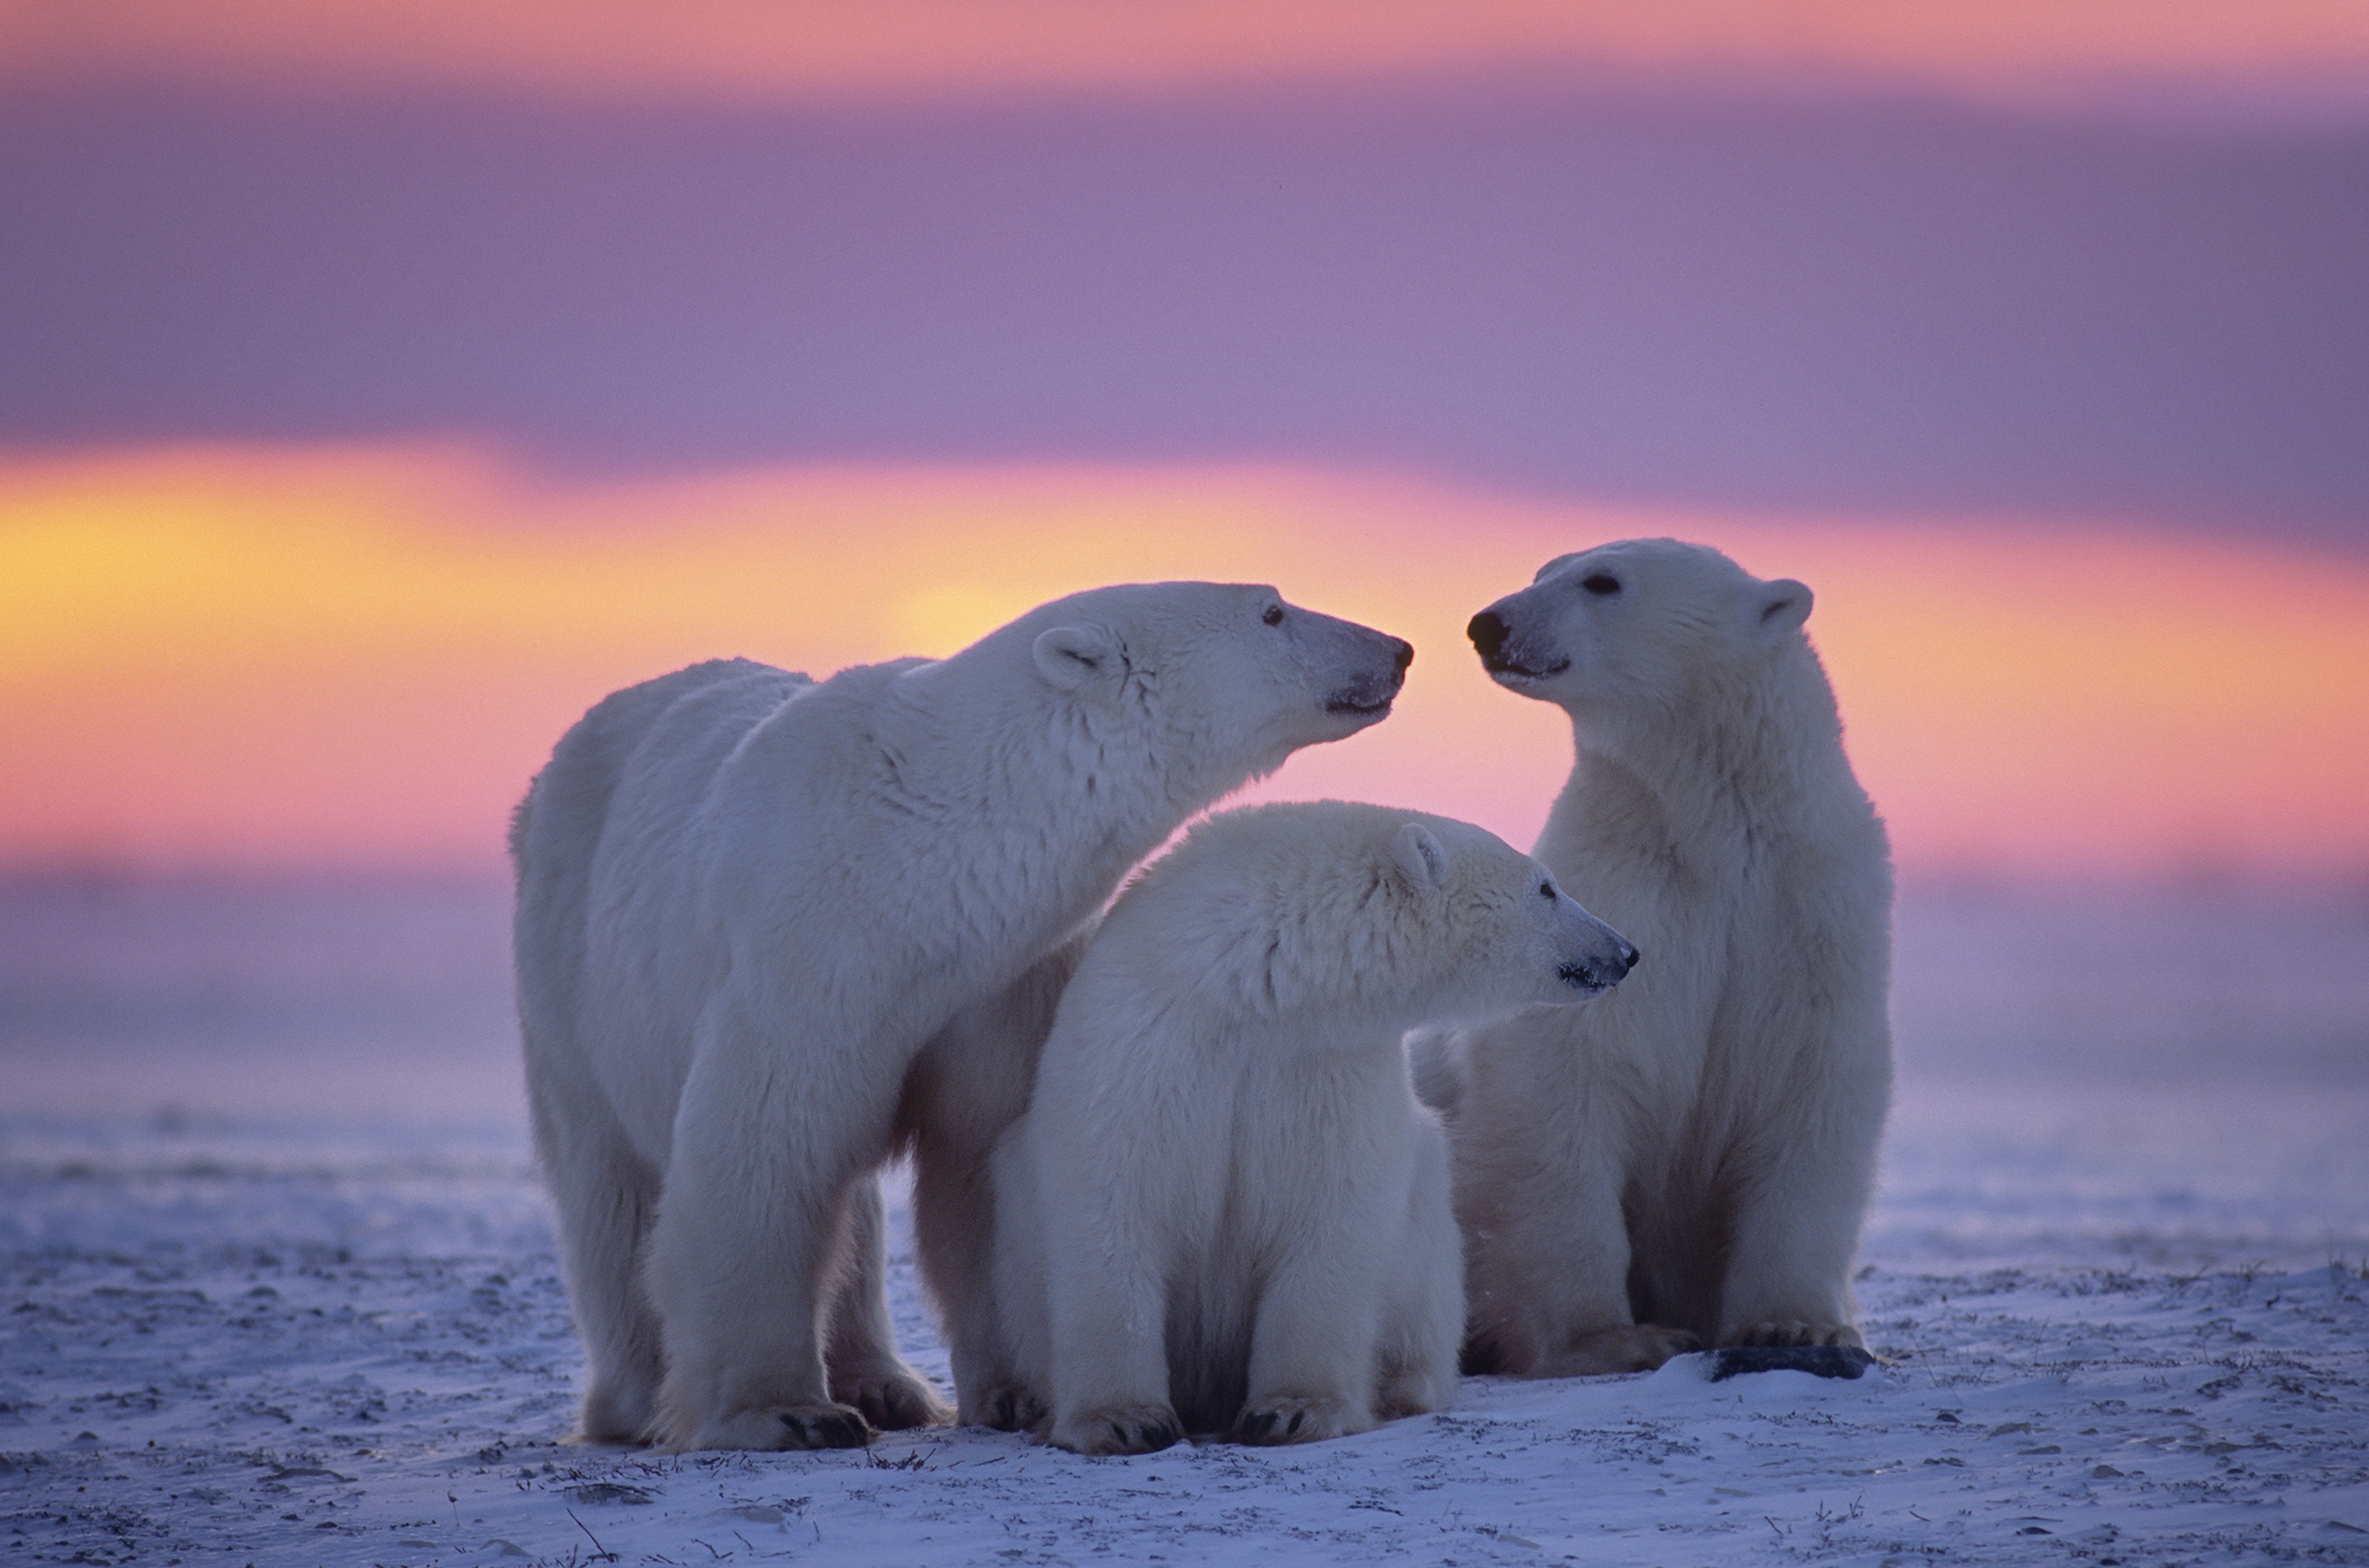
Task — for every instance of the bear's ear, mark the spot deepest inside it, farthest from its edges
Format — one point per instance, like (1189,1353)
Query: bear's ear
(1780,605)
(1069,657)
(1421,856)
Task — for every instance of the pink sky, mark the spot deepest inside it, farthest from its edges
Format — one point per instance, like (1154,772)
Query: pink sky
(355,657)
(388,380)
(2022,50)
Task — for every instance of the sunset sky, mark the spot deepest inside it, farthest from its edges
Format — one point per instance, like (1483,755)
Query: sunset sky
(381,384)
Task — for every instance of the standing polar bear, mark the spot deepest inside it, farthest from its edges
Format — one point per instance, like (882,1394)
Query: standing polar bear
(1224,1207)
(1691,1159)
(755,911)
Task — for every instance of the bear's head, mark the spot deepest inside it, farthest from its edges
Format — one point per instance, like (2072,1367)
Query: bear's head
(1315,909)
(1649,627)
(1223,676)
(1511,937)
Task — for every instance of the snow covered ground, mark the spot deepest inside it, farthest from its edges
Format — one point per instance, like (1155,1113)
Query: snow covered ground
(279,1288)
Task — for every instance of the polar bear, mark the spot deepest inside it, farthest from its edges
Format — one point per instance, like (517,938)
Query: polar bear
(1691,1159)
(753,910)
(1225,1208)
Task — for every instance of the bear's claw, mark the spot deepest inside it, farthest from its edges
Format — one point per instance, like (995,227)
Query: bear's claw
(1256,1424)
(1794,1331)
(1294,1420)
(1147,1438)
(823,1428)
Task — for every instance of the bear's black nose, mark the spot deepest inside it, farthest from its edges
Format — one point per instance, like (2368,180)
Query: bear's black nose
(1487,632)
(1405,655)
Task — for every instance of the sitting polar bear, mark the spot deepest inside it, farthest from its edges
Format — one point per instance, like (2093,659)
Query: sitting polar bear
(1224,1207)
(754,911)
(1690,1160)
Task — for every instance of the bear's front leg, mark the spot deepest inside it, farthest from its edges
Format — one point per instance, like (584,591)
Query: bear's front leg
(1110,1373)
(1795,1222)
(1105,1298)
(752,1215)
(1312,1351)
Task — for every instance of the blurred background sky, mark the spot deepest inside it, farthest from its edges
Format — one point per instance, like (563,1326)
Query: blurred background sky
(381,382)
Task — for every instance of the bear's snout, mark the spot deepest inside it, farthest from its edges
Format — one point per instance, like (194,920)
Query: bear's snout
(1374,691)
(1507,656)
(1594,975)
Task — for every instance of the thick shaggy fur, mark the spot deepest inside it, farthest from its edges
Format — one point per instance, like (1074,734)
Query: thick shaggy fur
(767,929)
(1690,1159)
(1225,1208)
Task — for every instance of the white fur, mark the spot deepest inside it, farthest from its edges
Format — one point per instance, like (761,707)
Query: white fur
(1224,1207)
(767,929)
(1690,1160)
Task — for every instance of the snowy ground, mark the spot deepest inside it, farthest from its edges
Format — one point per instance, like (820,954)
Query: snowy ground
(271,1346)
(2124,1314)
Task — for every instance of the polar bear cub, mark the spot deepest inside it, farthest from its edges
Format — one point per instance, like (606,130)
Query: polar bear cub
(1224,1207)
(754,909)
(1690,1159)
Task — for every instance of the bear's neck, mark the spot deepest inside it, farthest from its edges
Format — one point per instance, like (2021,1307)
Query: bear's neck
(1758,761)
(1034,812)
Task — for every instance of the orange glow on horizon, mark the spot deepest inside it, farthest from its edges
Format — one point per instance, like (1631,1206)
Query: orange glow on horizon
(356,657)
(759,48)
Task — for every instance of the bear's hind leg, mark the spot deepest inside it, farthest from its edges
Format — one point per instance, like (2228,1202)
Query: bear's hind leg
(865,1370)
(1423,1326)
(1547,1264)
(963,1096)
(607,1197)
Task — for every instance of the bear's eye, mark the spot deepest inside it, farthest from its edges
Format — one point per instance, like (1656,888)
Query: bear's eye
(1602,584)
(1546,890)
(1273,616)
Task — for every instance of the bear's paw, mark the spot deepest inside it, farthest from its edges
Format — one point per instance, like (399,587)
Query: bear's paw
(615,1413)
(891,1399)
(1012,1407)
(1629,1347)
(1414,1394)
(816,1426)
(1119,1428)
